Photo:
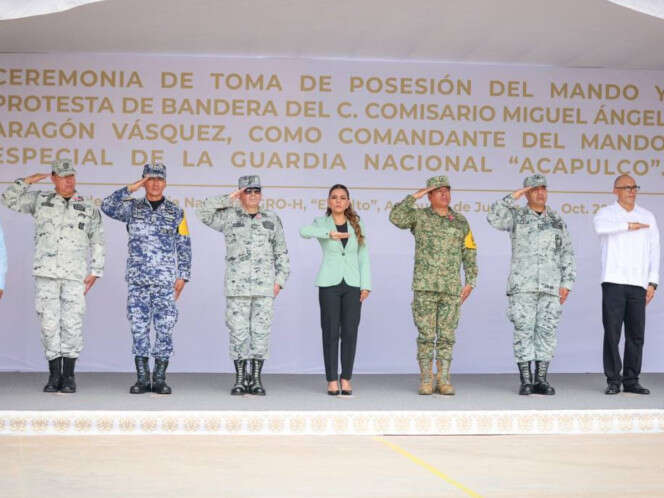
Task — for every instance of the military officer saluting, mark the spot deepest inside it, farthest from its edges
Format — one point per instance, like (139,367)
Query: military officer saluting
(68,231)
(158,266)
(443,243)
(542,273)
(257,267)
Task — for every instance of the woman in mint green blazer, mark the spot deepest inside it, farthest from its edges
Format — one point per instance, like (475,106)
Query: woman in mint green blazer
(344,282)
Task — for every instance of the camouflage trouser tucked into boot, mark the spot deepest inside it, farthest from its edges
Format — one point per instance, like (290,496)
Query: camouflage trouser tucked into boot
(436,316)
(249,320)
(60,305)
(535,317)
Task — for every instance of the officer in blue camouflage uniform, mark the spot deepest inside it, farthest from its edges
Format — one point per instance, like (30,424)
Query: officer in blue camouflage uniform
(158,266)
(542,273)
(68,231)
(257,267)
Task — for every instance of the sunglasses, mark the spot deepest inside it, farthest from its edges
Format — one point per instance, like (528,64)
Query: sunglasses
(631,188)
(252,190)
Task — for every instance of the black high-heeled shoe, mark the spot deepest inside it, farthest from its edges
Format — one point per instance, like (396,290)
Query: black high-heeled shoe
(333,393)
(346,393)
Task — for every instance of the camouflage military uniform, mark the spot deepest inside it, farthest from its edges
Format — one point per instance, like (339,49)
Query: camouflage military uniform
(66,232)
(442,245)
(542,263)
(159,253)
(256,259)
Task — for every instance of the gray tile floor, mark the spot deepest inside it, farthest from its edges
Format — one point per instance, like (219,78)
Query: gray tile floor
(109,391)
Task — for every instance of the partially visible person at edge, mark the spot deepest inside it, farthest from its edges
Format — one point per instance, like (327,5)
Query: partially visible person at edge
(542,273)
(443,243)
(3,262)
(344,283)
(68,231)
(158,267)
(257,267)
(630,273)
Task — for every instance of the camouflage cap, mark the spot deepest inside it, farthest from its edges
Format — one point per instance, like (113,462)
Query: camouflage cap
(154,170)
(249,181)
(438,181)
(63,167)
(534,181)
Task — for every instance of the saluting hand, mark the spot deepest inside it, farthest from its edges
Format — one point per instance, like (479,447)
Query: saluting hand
(179,285)
(423,191)
(136,185)
(636,226)
(89,282)
(237,193)
(338,235)
(37,177)
(516,195)
(465,292)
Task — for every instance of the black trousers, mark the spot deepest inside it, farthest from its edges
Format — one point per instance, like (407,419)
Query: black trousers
(623,304)
(340,308)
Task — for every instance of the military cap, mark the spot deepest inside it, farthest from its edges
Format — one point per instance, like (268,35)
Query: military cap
(438,181)
(154,170)
(63,167)
(534,181)
(249,181)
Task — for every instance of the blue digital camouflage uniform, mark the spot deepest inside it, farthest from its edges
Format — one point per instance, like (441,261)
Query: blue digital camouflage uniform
(256,259)
(542,262)
(159,253)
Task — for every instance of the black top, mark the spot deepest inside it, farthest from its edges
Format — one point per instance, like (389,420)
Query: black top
(156,204)
(343,229)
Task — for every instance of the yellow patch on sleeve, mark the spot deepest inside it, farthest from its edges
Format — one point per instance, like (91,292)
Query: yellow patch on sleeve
(183,229)
(470,242)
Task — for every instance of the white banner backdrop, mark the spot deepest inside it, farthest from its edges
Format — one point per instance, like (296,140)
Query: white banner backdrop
(381,128)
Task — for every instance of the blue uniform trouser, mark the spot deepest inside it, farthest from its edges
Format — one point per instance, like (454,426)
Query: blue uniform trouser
(148,304)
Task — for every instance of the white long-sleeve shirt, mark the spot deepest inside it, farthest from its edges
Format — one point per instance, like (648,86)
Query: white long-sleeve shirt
(628,257)
(3,260)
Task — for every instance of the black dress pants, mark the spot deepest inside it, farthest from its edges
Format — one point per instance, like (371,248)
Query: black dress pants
(623,304)
(339,319)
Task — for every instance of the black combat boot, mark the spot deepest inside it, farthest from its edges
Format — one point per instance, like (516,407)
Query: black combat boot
(526,378)
(240,386)
(54,375)
(142,376)
(256,386)
(68,383)
(541,384)
(159,385)
(247,375)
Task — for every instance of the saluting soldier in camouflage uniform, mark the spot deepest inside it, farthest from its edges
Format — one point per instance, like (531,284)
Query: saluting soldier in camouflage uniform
(158,266)
(443,242)
(257,267)
(68,229)
(542,273)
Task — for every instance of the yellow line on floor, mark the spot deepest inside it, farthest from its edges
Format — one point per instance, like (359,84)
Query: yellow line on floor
(428,467)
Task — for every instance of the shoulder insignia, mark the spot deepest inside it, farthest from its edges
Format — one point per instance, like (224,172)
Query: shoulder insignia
(469,242)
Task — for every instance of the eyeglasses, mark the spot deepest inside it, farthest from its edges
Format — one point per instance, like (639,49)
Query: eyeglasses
(252,190)
(630,188)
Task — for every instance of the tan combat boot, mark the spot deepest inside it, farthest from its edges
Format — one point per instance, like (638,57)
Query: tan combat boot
(426,377)
(443,385)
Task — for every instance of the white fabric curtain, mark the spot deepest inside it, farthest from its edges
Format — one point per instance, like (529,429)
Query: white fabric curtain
(15,9)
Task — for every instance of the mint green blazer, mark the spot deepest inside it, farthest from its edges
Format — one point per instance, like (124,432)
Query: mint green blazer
(350,263)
